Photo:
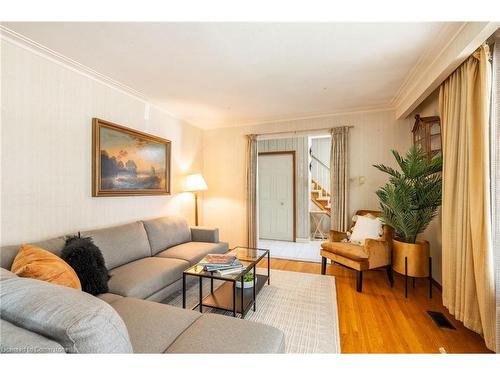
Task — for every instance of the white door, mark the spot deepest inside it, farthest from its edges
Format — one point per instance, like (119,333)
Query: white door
(275,194)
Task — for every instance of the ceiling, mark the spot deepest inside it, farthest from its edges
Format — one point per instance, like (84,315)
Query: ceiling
(231,74)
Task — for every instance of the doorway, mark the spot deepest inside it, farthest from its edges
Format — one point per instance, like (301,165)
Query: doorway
(276,195)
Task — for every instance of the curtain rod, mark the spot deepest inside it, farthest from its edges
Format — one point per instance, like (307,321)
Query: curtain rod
(294,132)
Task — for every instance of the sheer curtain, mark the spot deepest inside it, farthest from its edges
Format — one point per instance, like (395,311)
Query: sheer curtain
(468,263)
(251,185)
(339,178)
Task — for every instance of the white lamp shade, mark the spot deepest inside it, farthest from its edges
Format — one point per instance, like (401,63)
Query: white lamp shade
(195,182)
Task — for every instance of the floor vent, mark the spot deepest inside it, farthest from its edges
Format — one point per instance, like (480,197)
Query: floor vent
(440,320)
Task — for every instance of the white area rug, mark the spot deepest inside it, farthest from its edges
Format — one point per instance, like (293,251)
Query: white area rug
(302,305)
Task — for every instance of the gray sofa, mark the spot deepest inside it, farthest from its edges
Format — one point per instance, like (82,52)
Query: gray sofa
(145,260)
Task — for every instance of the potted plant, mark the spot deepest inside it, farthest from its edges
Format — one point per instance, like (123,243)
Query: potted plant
(409,202)
(247,281)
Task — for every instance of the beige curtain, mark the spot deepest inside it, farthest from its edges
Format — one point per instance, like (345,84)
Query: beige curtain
(251,174)
(468,275)
(495,178)
(339,178)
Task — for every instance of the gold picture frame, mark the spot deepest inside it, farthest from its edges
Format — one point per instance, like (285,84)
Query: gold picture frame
(127,162)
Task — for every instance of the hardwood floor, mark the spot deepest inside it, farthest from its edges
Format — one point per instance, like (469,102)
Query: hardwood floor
(381,320)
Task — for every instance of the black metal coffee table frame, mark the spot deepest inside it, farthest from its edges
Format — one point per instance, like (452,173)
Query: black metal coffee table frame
(225,296)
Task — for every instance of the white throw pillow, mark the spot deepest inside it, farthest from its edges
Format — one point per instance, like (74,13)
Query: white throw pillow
(366,227)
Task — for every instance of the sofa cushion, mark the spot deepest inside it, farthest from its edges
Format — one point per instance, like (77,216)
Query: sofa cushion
(8,253)
(142,278)
(165,232)
(153,326)
(6,274)
(109,297)
(78,321)
(193,252)
(213,333)
(346,249)
(37,263)
(15,339)
(121,244)
(202,234)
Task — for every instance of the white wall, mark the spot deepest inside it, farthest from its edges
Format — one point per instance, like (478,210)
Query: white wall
(373,136)
(46,150)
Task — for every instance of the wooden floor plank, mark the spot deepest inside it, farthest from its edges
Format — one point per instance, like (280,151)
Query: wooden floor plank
(381,320)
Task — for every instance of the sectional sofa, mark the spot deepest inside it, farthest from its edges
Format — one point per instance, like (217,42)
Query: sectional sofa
(145,260)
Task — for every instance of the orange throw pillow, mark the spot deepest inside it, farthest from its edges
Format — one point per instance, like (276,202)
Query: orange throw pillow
(40,264)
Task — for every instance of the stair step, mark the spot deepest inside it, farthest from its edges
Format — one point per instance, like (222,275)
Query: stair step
(326,199)
(315,191)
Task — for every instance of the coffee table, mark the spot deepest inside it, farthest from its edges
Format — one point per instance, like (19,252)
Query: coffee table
(227,296)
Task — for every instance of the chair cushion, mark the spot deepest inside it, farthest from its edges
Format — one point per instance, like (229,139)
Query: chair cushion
(144,277)
(78,321)
(121,244)
(15,339)
(165,232)
(153,326)
(193,252)
(213,333)
(36,263)
(346,249)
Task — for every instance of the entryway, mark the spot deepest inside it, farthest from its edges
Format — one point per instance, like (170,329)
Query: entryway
(293,200)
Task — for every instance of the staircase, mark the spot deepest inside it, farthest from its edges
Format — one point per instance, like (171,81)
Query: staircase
(320,180)
(320,197)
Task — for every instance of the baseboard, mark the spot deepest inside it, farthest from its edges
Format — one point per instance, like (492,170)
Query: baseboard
(302,240)
(437,285)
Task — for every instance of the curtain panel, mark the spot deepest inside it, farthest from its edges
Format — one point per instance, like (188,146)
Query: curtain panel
(339,178)
(251,187)
(468,272)
(495,177)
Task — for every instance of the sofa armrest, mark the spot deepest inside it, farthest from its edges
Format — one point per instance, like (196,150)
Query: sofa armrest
(336,236)
(201,234)
(379,252)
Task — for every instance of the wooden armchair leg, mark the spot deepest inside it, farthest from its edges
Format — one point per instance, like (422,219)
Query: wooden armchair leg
(390,275)
(359,281)
(323,265)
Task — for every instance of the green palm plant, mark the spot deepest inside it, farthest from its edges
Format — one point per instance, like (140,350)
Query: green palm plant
(411,198)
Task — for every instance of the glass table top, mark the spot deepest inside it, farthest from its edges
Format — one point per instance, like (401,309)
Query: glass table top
(247,256)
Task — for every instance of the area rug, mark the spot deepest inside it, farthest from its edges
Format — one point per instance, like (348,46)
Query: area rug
(302,305)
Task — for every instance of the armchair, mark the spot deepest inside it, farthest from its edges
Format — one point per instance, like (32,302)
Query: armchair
(374,253)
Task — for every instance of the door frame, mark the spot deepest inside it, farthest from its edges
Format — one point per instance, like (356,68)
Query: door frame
(294,203)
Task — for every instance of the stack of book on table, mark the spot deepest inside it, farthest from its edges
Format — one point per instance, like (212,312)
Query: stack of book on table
(223,264)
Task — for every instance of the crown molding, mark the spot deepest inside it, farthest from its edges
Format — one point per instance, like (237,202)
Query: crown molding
(22,41)
(453,44)
(445,36)
(319,116)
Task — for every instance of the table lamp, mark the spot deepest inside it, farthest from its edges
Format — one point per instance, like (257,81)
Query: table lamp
(195,183)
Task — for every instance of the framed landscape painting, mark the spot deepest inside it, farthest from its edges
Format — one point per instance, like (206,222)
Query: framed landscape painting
(128,162)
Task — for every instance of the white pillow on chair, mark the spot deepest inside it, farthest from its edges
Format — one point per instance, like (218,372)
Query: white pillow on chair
(366,227)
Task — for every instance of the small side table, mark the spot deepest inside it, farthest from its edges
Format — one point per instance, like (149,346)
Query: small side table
(317,218)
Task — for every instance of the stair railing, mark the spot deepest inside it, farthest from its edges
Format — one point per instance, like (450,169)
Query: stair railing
(320,172)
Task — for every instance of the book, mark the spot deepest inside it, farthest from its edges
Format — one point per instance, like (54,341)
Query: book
(217,267)
(231,271)
(217,259)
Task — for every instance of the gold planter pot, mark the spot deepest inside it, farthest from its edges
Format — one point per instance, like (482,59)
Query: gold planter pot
(417,255)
